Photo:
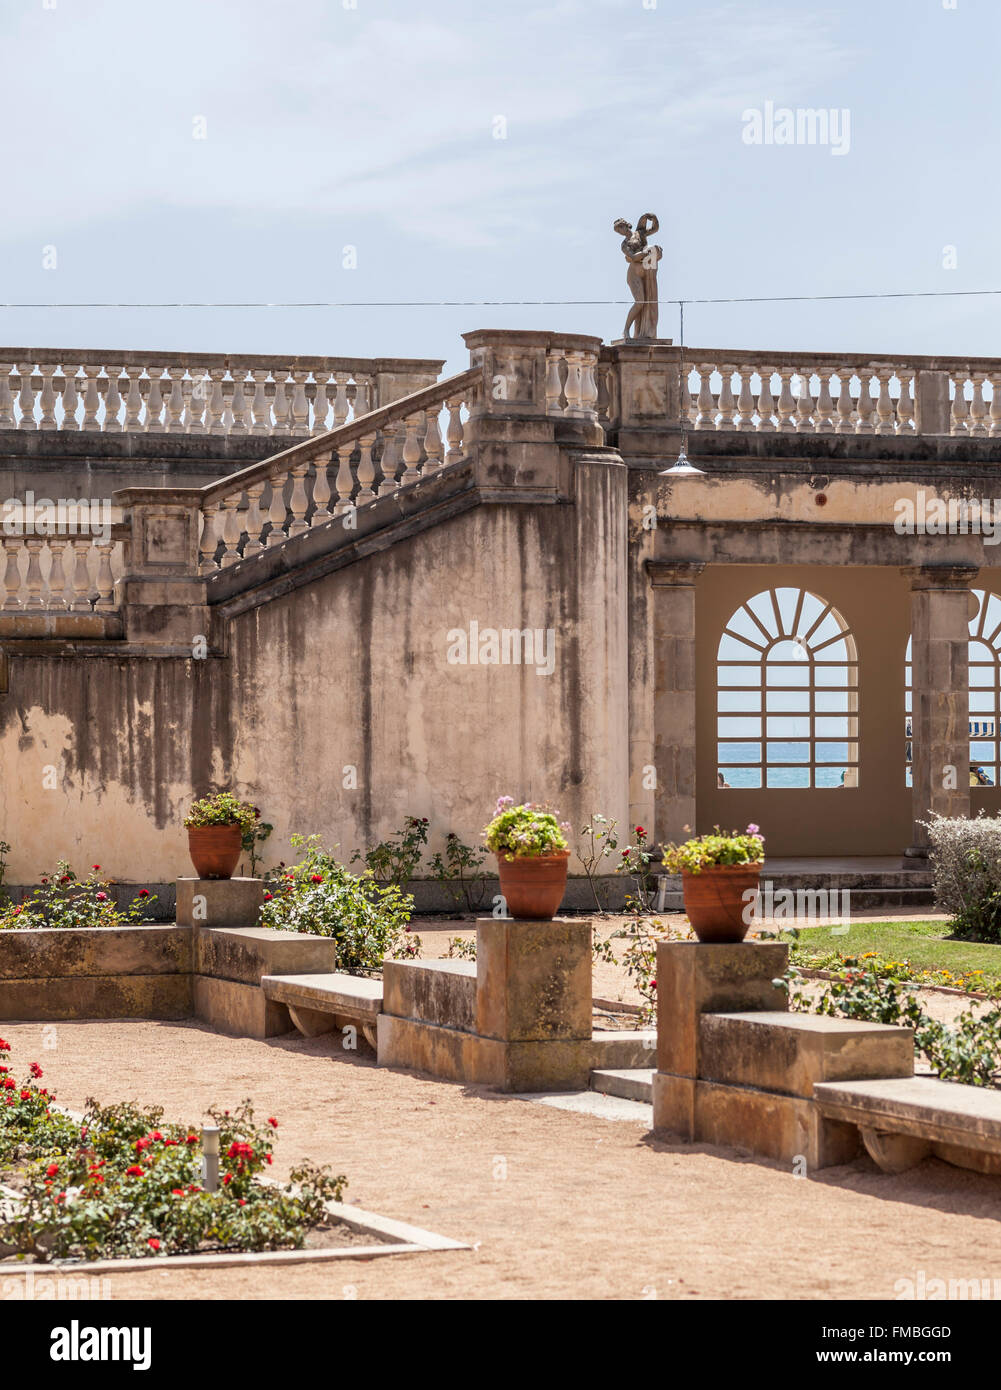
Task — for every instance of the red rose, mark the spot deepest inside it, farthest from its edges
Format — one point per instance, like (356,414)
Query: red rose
(52,1170)
(25,1095)
(95,867)
(102,897)
(227,1180)
(653,984)
(191,1139)
(316,878)
(4,1046)
(268,897)
(272,1122)
(135,1171)
(36,1071)
(640,830)
(144,892)
(153,1243)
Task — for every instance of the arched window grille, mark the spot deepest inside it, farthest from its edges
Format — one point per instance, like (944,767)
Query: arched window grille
(787,694)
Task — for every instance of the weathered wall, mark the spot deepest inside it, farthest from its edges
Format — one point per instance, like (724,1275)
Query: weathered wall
(101,755)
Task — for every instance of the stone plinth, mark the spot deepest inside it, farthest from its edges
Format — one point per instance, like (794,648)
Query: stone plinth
(219,902)
(735,1068)
(533,979)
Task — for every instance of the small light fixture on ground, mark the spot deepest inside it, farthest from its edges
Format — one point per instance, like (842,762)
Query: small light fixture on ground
(210,1158)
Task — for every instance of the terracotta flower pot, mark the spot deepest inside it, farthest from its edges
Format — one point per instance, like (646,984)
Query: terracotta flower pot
(715,902)
(533,884)
(215,849)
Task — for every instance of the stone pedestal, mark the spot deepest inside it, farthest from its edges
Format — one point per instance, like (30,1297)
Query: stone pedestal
(219,902)
(734,1067)
(519,1020)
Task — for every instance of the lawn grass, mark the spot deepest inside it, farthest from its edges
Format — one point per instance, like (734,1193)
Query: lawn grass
(925,945)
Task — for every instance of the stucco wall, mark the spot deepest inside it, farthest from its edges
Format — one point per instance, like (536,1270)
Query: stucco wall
(101,755)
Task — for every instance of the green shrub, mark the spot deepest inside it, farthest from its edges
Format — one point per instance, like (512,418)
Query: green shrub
(320,896)
(222,808)
(63,900)
(715,850)
(459,870)
(965,857)
(397,858)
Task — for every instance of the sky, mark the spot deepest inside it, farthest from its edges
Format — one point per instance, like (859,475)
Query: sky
(208,150)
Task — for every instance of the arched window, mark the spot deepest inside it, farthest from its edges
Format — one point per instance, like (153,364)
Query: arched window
(985,692)
(787,694)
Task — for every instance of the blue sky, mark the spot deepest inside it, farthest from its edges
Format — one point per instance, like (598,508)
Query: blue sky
(374,127)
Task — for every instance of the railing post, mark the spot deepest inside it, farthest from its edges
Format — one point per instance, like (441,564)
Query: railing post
(162,597)
(932,407)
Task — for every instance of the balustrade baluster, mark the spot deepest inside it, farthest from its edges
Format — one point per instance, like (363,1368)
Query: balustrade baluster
(26,397)
(112,402)
(389,461)
(706,418)
(70,398)
(432,442)
(33,579)
(321,402)
(48,398)
(174,409)
(803,423)
(298,502)
(905,405)
(588,385)
(572,385)
(242,420)
(58,585)
(766,405)
(208,542)
(321,489)
(824,416)
(884,402)
(6,399)
(726,402)
(12,572)
(261,407)
(341,404)
(865,405)
(300,404)
(133,399)
(785,407)
(277,510)
(995,379)
(411,451)
(344,482)
(105,578)
(366,467)
(215,405)
(363,396)
(454,430)
(253,520)
(846,403)
(281,400)
(81,576)
(959,406)
(978,407)
(231,529)
(554,387)
(91,397)
(154,401)
(745,402)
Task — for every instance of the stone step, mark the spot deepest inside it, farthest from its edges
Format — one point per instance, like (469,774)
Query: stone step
(616,1049)
(629,1083)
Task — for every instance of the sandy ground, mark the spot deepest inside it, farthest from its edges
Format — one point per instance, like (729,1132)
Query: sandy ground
(557,1204)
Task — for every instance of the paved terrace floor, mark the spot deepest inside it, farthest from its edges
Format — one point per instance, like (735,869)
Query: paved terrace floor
(590,1207)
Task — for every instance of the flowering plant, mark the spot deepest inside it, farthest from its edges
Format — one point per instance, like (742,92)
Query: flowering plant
(222,808)
(320,896)
(63,900)
(525,831)
(716,850)
(119,1181)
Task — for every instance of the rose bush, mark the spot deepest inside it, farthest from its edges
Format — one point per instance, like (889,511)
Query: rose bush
(63,900)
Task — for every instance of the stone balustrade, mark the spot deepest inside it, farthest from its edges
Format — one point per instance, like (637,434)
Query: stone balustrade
(60,574)
(369,457)
(801,393)
(183,393)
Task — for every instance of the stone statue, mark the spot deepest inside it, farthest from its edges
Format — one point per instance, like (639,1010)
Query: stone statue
(641,277)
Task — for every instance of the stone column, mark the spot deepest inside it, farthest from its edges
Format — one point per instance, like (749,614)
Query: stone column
(674,696)
(940,742)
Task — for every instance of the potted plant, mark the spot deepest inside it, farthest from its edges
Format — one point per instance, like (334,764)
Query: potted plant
(217,826)
(719,877)
(532,857)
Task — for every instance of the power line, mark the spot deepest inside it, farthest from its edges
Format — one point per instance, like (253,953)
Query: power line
(495,303)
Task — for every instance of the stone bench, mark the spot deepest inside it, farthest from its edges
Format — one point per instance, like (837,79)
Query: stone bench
(905,1120)
(320,1003)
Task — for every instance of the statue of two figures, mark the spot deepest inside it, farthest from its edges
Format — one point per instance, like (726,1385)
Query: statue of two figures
(641,277)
